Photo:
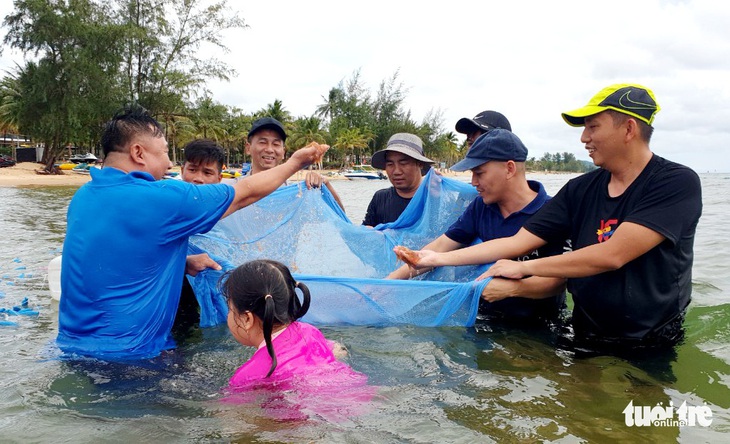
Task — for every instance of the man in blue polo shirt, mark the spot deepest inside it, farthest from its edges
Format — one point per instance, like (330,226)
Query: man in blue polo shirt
(506,200)
(127,240)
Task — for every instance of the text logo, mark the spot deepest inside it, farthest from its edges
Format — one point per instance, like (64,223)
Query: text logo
(660,416)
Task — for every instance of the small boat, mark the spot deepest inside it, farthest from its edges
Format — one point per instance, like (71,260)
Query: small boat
(230,174)
(82,168)
(83,158)
(363,172)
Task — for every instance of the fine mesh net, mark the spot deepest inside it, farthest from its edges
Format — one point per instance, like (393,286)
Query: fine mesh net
(344,264)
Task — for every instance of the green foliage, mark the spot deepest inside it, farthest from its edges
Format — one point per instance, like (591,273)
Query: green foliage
(565,162)
(91,59)
(93,56)
(71,88)
(162,45)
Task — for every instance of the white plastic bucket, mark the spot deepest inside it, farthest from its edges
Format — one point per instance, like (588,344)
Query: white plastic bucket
(54,278)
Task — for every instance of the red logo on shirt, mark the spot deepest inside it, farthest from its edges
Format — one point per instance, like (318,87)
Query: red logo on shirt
(607,228)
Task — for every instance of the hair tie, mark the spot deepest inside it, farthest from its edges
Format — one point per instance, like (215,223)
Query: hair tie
(268,296)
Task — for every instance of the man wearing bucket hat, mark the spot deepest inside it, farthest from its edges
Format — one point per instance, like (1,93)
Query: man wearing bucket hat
(404,162)
(631,223)
(480,124)
(506,200)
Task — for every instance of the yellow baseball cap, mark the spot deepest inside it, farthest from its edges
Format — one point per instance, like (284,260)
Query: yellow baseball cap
(634,100)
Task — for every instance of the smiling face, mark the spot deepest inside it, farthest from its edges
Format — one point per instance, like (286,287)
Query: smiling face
(266,149)
(602,138)
(404,173)
(201,173)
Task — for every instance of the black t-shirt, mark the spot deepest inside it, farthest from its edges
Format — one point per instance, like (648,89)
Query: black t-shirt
(644,296)
(385,206)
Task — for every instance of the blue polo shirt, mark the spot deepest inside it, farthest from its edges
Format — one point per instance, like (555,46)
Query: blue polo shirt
(124,260)
(482,222)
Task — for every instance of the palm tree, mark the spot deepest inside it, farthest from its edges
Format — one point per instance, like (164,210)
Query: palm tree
(350,140)
(332,103)
(277,111)
(9,103)
(176,127)
(9,106)
(208,119)
(305,130)
(237,125)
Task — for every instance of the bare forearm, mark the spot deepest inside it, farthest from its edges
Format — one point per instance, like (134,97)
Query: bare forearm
(537,287)
(252,188)
(335,195)
(587,261)
(441,244)
(491,251)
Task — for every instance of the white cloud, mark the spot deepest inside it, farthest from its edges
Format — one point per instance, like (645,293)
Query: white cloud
(530,60)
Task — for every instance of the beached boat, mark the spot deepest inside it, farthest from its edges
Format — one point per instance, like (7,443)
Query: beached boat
(82,168)
(230,174)
(83,158)
(363,172)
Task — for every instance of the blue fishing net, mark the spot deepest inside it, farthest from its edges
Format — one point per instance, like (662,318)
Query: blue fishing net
(344,264)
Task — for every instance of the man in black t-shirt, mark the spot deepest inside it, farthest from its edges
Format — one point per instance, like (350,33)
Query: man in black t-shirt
(632,225)
(404,162)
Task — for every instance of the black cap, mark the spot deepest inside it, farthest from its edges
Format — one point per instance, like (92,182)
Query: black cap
(268,123)
(485,121)
(499,144)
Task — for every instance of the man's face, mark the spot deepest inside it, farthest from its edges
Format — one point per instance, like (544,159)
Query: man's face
(602,138)
(472,136)
(156,155)
(266,149)
(404,172)
(201,173)
(490,180)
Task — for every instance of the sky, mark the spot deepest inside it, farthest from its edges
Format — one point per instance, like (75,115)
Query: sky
(530,60)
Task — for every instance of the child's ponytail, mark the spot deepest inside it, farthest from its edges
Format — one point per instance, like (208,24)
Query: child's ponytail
(301,309)
(269,309)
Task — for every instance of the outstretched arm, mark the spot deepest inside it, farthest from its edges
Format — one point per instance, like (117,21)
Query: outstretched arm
(441,244)
(628,243)
(521,243)
(254,187)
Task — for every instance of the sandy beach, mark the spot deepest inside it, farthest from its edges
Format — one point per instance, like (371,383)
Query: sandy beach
(25,174)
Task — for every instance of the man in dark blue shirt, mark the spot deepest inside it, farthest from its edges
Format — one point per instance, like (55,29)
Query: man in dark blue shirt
(506,201)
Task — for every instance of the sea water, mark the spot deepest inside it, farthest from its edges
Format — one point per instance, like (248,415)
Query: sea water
(433,384)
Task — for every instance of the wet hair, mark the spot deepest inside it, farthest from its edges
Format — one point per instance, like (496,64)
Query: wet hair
(203,151)
(126,125)
(267,289)
(645,130)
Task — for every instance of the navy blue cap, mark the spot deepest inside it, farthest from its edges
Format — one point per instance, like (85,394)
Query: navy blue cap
(268,123)
(497,144)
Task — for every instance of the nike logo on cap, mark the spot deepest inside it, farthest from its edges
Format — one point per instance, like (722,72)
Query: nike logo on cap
(625,102)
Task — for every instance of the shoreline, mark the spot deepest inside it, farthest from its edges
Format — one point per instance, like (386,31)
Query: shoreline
(24,175)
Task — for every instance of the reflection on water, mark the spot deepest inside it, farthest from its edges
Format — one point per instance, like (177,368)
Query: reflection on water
(434,384)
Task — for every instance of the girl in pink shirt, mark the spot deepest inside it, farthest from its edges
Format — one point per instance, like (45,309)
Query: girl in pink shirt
(263,309)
